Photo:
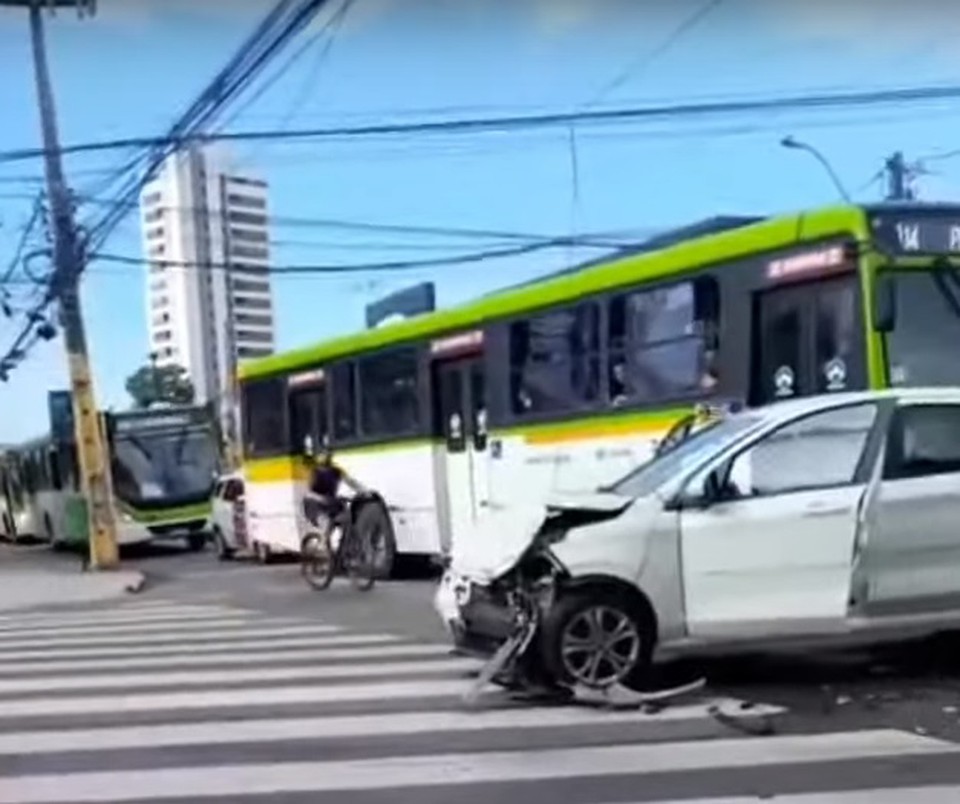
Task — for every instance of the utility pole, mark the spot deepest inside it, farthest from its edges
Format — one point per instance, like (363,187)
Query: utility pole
(898,174)
(68,261)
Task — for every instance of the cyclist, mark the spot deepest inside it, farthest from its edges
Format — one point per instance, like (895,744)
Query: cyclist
(323,489)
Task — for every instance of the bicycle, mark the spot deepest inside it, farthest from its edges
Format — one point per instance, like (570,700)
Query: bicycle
(354,554)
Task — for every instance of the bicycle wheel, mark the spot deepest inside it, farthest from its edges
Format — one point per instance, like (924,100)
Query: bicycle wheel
(360,559)
(317,565)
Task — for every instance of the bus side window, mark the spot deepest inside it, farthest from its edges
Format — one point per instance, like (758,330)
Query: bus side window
(554,360)
(263,417)
(344,390)
(662,342)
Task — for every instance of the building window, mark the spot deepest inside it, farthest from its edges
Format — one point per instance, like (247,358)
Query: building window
(249,218)
(248,235)
(251,202)
(251,352)
(250,270)
(254,336)
(158,286)
(157,249)
(153,215)
(163,336)
(246,303)
(246,181)
(662,343)
(555,360)
(388,393)
(249,252)
(254,319)
(155,233)
(151,199)
(240,285)
(160,301)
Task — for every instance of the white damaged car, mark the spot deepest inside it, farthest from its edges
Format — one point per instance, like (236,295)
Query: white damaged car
(826,518)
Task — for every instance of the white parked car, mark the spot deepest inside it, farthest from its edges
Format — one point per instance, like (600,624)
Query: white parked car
(229,516)
(826,518)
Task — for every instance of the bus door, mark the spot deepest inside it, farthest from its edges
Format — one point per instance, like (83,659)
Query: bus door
(461,405)
(807,340)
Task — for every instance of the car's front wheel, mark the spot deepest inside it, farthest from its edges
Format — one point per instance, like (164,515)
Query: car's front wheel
(597,638)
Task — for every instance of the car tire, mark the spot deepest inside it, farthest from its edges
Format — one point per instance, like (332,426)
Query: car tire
(224,552)
(197,542)
(597,638)
(373,522)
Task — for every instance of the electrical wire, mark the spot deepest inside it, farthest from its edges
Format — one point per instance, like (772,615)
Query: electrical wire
(501,125)
(351,268)
(644,60)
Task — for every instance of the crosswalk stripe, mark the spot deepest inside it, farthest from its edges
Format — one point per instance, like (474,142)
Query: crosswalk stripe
(261,645)
(170,620)
(93,632)
(306,652)
(459,769)
(198,678)
(934,794)
(267,632)
(235,732)
(210,699)
(107,615)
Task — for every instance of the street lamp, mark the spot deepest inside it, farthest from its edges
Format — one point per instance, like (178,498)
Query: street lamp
(797,145)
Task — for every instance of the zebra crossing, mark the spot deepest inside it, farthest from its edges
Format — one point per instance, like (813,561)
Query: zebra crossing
(165,701)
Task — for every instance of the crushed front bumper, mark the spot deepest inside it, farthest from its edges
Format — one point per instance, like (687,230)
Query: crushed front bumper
(476,618)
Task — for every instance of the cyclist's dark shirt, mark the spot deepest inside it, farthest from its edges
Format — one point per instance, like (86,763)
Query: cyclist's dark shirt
(325,479)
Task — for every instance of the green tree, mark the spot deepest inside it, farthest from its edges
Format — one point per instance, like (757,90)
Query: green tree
(151,384)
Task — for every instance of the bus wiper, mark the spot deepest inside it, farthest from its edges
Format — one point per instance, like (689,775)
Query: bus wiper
(948,283)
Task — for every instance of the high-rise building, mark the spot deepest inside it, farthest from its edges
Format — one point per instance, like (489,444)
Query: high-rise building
(209,303)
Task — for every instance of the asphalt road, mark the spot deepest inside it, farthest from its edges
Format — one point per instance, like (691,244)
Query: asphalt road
(236,682)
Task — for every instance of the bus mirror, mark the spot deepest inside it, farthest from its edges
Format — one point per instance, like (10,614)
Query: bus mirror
(885,304)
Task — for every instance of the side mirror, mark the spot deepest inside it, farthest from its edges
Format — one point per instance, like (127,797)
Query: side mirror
(699,494)
(885,303)
(712,488)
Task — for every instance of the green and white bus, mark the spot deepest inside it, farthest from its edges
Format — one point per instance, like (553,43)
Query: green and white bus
(568,381)
(163,463)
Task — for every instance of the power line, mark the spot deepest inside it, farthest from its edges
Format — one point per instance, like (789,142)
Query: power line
(351,268)
(500,125)
(644,60)
(453,232)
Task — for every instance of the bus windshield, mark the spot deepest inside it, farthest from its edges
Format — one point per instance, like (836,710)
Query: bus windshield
(688,454)
(166,466)
(922,346)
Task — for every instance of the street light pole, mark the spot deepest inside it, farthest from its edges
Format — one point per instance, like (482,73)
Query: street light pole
(797,145)
(68,260)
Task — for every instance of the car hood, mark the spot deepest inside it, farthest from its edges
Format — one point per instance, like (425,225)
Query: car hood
(497,541)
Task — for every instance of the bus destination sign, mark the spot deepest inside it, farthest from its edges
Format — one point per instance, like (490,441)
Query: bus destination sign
(903,233)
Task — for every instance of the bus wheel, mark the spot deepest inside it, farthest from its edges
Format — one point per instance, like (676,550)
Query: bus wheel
(373,523)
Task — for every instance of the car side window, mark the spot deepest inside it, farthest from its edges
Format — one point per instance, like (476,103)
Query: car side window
(924,441)
(820,451)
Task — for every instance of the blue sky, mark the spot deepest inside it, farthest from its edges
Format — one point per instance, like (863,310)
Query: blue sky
(131,69)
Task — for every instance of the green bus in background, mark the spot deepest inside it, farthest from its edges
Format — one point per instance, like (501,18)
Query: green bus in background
(163,463)
(567,382)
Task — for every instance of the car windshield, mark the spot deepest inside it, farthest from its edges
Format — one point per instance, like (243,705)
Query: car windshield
(650,476)
(922,346)
(162,467)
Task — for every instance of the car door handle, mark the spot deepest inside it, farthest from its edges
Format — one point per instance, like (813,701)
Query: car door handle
(822,510)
